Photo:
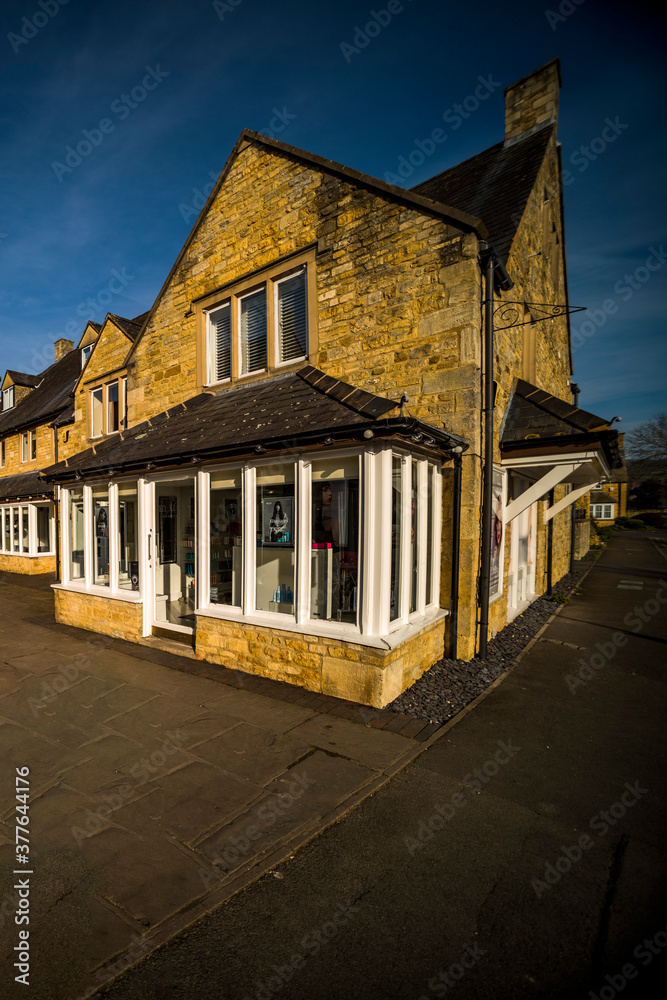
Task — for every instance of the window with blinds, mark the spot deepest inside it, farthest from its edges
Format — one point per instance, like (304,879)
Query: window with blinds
(221,343)
(292,317)
(253,332)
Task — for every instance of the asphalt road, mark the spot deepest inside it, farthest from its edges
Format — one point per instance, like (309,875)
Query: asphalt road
(522,856)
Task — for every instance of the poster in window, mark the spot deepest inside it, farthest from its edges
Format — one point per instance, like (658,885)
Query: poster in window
(168,518)
(497,534)
(278,521)
(102,523)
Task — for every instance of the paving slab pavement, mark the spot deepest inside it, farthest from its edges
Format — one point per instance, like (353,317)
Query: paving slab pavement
(154,793)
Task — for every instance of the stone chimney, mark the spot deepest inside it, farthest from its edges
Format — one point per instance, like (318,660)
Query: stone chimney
(63,347)
(532,100)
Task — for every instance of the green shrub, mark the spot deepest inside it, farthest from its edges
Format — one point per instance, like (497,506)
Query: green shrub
(630,523)
(652,517)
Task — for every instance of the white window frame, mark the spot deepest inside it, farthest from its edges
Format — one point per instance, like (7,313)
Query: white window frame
(122,408)
(277,363)
(599,511)
(85,354)
(237,302)
(8,396)
(2,454)
(7,513)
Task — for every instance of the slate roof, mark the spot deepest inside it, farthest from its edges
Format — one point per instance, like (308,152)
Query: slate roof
(598,496)
(25,484)
(45,402)
(494,185)
(532,413)
(130,327)
(284,412)
(535,417)
(24,379)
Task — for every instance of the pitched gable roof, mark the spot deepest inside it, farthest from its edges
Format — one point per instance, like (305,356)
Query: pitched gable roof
(48,399)
(494,185)
(24,379)
(532,412)
(130,327)
(413,199)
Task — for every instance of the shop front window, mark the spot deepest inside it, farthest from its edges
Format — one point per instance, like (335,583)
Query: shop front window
(128,533)
(226,539)
(396,536)
(76,533)
(276,538)
(334,565)
(44,519)
(100,511)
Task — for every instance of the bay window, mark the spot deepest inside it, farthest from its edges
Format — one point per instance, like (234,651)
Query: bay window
(276,540)
(100,514)
(128,536)
(226,538)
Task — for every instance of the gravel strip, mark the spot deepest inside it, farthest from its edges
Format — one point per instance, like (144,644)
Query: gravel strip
(450,685)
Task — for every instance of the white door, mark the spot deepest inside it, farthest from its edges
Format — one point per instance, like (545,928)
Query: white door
(521,575)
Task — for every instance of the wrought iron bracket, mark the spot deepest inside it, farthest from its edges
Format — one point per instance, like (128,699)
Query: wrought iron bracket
(509,314)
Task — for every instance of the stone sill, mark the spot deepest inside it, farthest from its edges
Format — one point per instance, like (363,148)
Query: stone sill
(27,555)
(131,597)
(341,632)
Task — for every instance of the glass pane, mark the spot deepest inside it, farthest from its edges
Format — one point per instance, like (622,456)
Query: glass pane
(334,563)
(396,511)
(430,596)
(414,535)
(44,515)
(33,445)
(175,552)
(112,407)
(16,541)
(292,318)
(253,332)
(24,447)
(101,537)
(274,585)
(6,531)
(226,538)
(221,343)
(128,533)
(97,411)
(25,529)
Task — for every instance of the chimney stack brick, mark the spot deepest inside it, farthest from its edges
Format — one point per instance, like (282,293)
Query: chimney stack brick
(63,347)
(533,100)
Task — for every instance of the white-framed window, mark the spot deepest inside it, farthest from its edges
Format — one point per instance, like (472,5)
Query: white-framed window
(85,354)
(602,511)
(259,326)
(307,539)
(27,529)
(29,446)
(108,407)
(100,538)
(2,454)
(8,398)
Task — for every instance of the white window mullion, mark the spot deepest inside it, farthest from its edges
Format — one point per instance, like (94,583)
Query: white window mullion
(203,541)
(437,533)
(114,530)
(377,542)
(88,537)
(146,552)
(249,539)
(32,530)
(303,540)
(65,557)
(422,532)
(406,531)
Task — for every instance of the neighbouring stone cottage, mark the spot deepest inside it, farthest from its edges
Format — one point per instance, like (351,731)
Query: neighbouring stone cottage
(283,461)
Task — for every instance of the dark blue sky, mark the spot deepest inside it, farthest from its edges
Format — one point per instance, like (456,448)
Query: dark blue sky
(103,235)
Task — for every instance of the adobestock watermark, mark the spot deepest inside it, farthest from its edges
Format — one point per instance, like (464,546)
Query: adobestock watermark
(454,117)
(88,309)
(446,979)
(69,674)
(635,619)
(279,121)
(138,948)
(122,107)
(311,944)
(645,952)
(222,8)
(363,36)
(601,823)
(624,288)
(143,771)
(234,847)
(31,26)
(473,782)
(583,156)
(566,9)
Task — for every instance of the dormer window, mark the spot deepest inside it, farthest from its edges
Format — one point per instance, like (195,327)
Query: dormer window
(8,398)
(107,408)
(85,354)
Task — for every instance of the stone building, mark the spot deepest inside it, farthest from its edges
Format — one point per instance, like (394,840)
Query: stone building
(609,500)
(298,477)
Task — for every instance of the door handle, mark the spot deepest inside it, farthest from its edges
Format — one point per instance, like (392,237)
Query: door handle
(150,546)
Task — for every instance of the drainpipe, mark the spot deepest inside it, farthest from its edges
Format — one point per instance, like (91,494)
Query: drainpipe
(573,516)
(456,550)
(550,538)
(493,267)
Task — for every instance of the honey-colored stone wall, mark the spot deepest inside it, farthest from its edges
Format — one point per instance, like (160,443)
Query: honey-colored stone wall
(329,666)
(122,619)
(28,565)
(13,452)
